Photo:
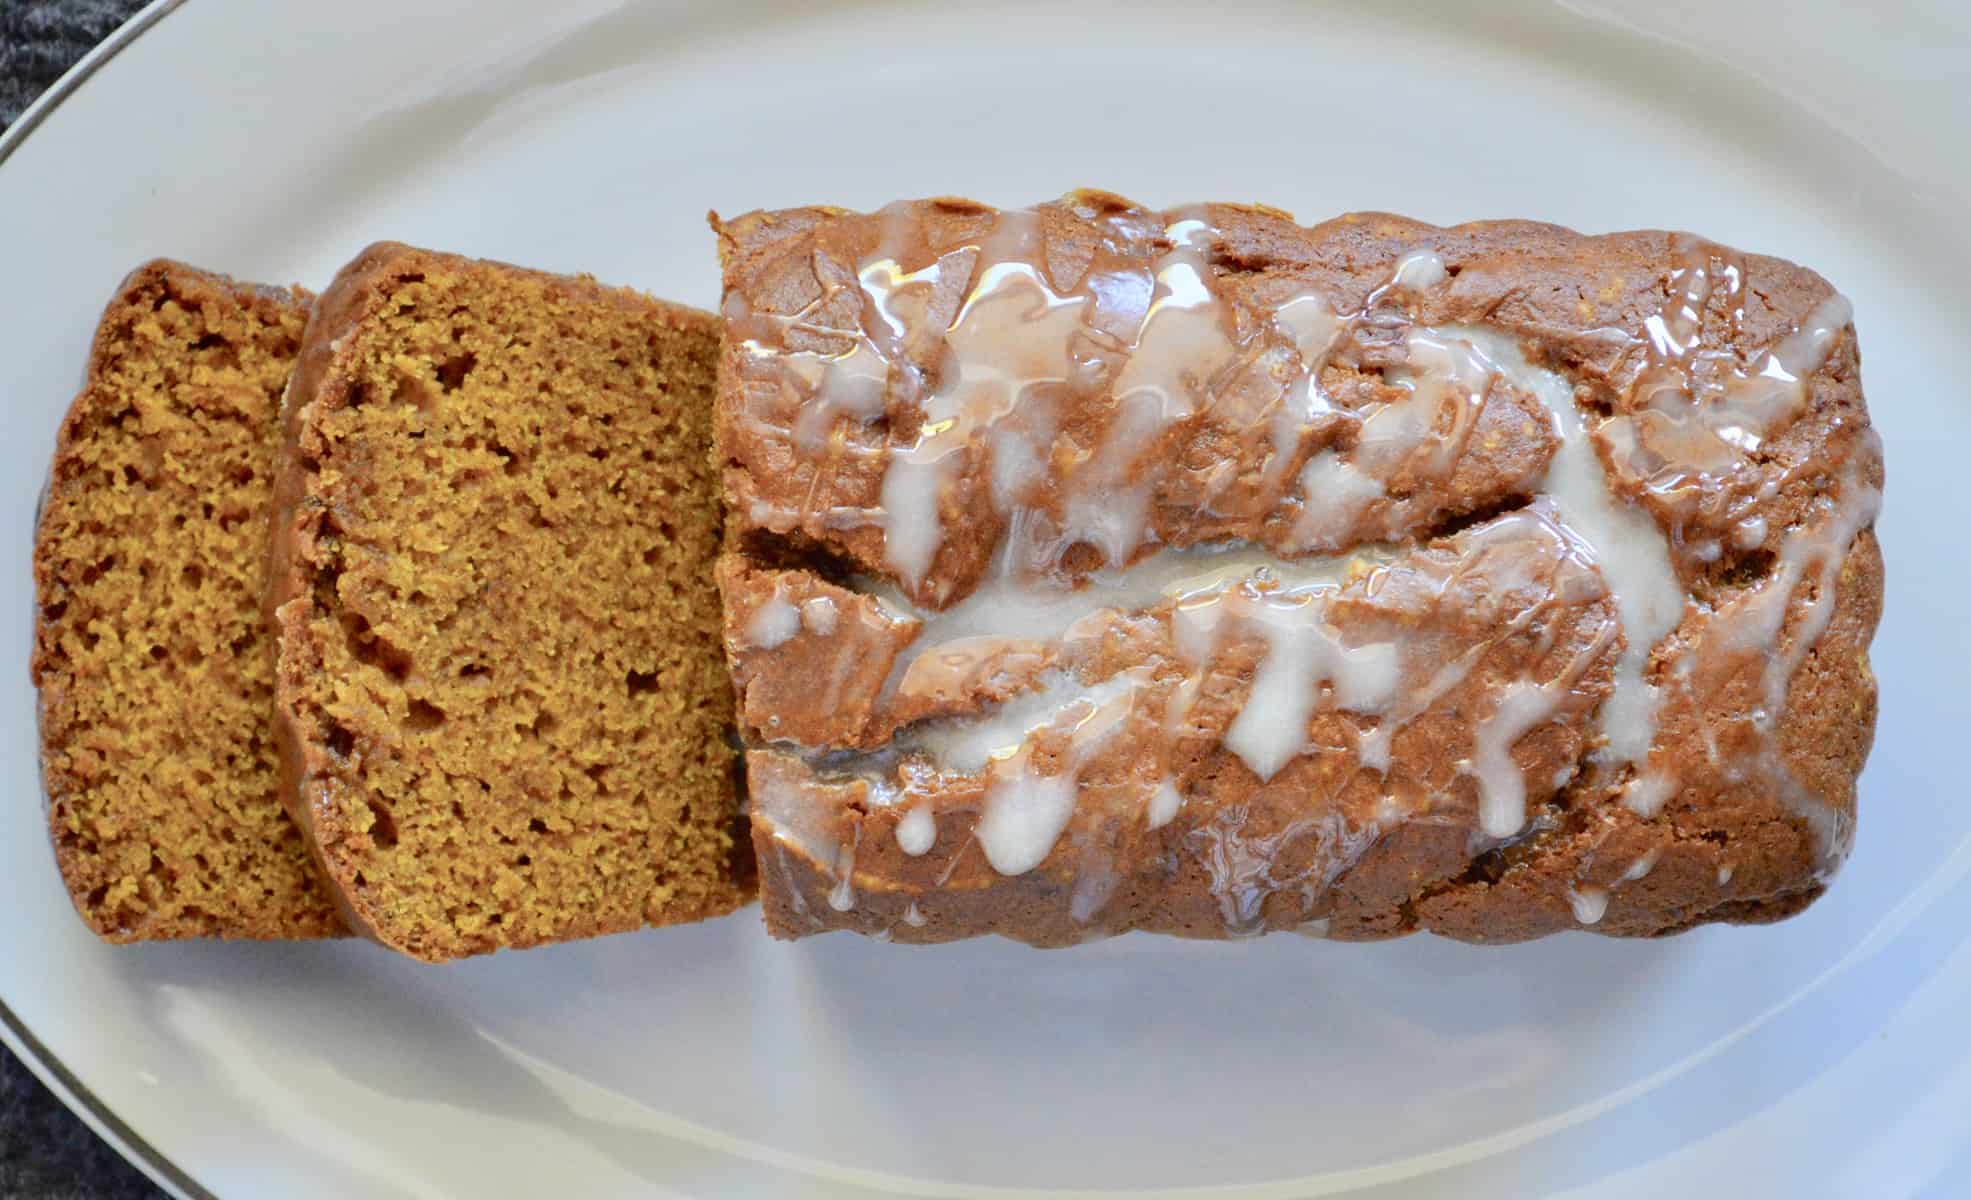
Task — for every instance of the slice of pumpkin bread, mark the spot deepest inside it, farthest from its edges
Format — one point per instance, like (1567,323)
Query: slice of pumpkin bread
(501,697)
(154,668)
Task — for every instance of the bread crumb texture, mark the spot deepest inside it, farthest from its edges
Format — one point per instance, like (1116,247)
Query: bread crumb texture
(155,674)
(502,664)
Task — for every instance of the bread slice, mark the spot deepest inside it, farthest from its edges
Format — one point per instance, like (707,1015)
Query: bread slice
(155,673)
(502,706)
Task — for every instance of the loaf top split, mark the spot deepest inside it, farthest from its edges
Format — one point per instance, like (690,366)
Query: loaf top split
(501,699)
(155,674)
(1093,568)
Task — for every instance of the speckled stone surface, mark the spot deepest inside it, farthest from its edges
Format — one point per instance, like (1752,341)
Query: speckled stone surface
(40,38)
(46,1152)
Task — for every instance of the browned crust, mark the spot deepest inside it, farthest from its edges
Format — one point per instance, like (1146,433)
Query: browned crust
(159,276)
(1529,279)
(292,532)
(320,384)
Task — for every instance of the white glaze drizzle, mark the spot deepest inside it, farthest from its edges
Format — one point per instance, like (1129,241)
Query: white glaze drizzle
(1334,492)
(773,624)
(1589,903)
(1418,270)
(841,894)
(1312,327)
(1647,793)
(1025,811)
(971,744)
(917,830)
(1627,545)
(1242,867)
(1810,553)
(1444,373)
(1303,652)
(1700,415)
(1010,336)
(1006,606)
(1686,445)
(1215,592)
(1095,882)
(1180,346)
(793,823)
(841,897)
(818,615)
(851,384)
(1164,804)
(1012,340)
(1524,707)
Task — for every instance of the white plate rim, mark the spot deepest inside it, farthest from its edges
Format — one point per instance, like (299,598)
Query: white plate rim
(14,1033)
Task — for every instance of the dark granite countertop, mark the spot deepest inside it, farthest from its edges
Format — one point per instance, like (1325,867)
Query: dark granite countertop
(46,1152)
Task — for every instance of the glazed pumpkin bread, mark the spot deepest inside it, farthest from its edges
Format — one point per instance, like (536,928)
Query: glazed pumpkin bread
(1096,568)
(501,702)
(154,669)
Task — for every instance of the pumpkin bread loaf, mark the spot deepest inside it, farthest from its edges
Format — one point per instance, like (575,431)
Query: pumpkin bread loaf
(1095,568)
(154,668)
(500,696)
